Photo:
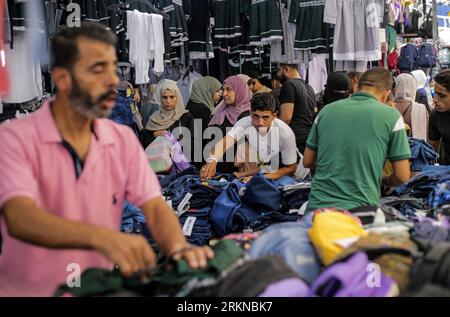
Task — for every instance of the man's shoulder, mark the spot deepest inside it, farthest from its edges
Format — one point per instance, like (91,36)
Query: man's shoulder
(244,122)
(22,129)
(437,115)
(115,131)
(282,125)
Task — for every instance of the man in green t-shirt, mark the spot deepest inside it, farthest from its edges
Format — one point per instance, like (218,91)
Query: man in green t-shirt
(349,142)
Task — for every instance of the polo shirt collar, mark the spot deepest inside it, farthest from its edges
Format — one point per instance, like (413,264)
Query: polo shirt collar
(364,94)
(49,133)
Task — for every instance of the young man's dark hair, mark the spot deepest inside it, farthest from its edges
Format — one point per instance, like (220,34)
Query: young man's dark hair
(64,46)
(254,74)
(263,102)
(294,66)
(354,79)
(378,77)
(443,79)
(274,75)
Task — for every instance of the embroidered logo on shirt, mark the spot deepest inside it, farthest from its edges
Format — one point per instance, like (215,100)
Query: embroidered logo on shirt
(114,199)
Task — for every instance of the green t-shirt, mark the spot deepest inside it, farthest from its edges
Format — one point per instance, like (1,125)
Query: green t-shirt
(353,138)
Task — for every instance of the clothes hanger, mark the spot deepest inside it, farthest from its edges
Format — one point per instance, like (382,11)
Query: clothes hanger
(125,5)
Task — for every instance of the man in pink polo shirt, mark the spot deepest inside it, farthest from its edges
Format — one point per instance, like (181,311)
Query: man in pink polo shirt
(65,172)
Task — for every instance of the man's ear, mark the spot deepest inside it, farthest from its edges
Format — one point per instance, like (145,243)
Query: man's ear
(61,78)
(385,95)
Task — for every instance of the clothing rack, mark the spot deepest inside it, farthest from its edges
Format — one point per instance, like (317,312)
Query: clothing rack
(125,5)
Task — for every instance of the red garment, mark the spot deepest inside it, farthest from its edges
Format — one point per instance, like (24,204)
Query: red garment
(4,77)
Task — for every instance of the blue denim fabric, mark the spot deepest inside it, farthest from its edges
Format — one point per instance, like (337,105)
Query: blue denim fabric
(203,193)
(262,194)
(439,199)
(202,231)
(296,199)
(131,215)
(420,185)
(291,241)
(165,180)
(231,214)
(121,113)
(226,206)
(422,154)
(436,168)
(286,180)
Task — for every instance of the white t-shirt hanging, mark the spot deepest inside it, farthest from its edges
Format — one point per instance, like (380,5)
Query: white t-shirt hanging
(25,79)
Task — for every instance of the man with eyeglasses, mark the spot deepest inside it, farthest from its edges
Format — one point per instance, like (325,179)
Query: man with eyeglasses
(267,137)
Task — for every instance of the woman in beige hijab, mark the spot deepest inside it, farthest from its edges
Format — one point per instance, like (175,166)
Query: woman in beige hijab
(170,115)
(414,114)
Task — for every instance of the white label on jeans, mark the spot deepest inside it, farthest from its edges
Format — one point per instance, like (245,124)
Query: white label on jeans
(189,225)
(183,203)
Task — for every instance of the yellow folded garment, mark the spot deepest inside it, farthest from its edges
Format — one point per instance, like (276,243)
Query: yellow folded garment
(331,231)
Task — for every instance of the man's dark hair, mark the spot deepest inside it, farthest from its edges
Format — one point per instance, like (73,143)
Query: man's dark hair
(64,46)
(354,75)
(443,79)
(263,102)
(274,75)
(292,66)
(253,74)
(378,77)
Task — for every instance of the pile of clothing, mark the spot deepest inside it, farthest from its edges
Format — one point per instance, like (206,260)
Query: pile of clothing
(422,153)
(251,207)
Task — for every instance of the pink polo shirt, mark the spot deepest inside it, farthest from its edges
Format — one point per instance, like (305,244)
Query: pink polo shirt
(34,163)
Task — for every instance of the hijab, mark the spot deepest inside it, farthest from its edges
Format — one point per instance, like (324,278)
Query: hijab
(243,95)
(405,88)
(162,119)
(203,90)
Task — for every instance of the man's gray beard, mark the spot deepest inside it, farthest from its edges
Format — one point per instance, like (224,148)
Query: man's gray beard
(83,105)
(88,110)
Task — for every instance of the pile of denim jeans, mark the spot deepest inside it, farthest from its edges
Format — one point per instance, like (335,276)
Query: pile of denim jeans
(422,153)
(204,193)
(425,202)
(252,206)
(199,220)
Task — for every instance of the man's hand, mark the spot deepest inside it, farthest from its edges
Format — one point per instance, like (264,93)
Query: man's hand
(160,133)
(208,170)
(131,253)
(247,179)
(196,257)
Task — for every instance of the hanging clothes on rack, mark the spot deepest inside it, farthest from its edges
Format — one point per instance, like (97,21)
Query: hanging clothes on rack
(356,32)
(145,32)
(265,26)
(227,21)
(311,33)
(25,79)
(199,30)
(283,52)
(177,21)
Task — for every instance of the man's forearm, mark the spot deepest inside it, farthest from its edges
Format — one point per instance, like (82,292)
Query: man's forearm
(281,172)
(222,147)
(391,181)
(164,226)
(36,226)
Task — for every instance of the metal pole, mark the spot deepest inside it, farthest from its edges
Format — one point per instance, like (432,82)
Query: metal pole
(435,22)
